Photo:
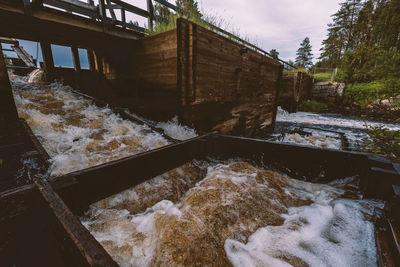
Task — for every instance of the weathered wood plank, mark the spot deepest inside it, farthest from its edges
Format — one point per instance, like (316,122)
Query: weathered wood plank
(90,249)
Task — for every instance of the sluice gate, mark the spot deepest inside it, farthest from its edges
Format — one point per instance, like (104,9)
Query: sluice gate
(295,89)
(210,81)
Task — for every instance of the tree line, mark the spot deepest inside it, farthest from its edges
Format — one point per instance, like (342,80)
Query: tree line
(363,41)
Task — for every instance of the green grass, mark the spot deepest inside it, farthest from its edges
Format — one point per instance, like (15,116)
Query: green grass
(366,93)
(295,71)
(204,21)
(313,106)
(323,77)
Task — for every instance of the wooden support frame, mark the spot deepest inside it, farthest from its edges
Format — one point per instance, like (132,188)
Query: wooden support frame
(8,110)
(75,58)
(90,249)
(92,63)
(47,56)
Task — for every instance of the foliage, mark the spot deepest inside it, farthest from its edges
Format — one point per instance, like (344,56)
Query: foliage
(384,142)
(323,76)
(295,71)
(8,62)
(363,41)
(168,22)
(314,106)
(162,14)
(190,8)
(304,55)
(274,53)
(366,93)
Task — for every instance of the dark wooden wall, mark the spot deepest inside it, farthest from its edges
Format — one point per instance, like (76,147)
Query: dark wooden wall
(295,89)
(222,81)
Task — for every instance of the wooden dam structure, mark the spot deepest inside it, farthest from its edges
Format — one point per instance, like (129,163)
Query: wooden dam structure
(210,79)
(295,88)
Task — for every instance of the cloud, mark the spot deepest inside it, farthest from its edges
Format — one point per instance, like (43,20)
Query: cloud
(277,24)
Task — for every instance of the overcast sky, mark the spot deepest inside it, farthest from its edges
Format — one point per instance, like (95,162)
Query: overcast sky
(279,24)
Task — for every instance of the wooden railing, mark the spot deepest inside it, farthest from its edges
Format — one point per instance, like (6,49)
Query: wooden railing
(99,12)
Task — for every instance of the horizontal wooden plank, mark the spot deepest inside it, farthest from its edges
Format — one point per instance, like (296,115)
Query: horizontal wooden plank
(132,8)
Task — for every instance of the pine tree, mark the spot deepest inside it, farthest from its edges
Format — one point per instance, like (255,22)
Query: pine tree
(274,54)
(162,13)
(341,32)
(304,55)
(190,7)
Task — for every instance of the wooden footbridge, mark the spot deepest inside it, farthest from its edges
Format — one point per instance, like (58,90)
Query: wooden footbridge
(211,79)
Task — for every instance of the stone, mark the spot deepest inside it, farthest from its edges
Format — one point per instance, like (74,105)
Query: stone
(385,102)
(376,102)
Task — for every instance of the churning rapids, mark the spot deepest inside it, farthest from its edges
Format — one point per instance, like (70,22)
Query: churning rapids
(204,212)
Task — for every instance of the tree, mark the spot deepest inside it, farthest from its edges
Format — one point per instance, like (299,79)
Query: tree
(190,7)
(162,14)
(341,32)
(304,55)
(274,54)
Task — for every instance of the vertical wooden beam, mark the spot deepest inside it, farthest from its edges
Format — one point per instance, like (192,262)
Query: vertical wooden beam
(102,10)
(8,111)
(123,17)
(99,62)
(75,58)
(275,108)
(92,63)
(47,56)
(150,9)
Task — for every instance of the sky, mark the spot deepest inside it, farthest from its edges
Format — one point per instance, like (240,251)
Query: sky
(277,24)
(270,24)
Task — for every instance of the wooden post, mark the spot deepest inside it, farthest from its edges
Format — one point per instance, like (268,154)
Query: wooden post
(150,9)
(75,57)
(47,57)
(8,111)
(123,18)
(102,10)
(99,62)
(92,63)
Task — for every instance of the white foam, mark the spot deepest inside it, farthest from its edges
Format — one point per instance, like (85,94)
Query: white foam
(174,129)
(326,230)
(337,234)
(76,133)
(331,120)
(318,140)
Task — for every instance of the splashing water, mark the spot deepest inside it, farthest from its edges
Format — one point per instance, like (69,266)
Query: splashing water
(176,130)
(238,215)
(353,128)
(76,133)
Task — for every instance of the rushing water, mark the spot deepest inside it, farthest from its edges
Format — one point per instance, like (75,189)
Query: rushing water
(206,212)
(75,132)
(324,130)
(236,214)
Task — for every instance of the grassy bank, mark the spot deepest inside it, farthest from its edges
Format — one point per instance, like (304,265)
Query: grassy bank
(366,93)
(322,77)
(314,106)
